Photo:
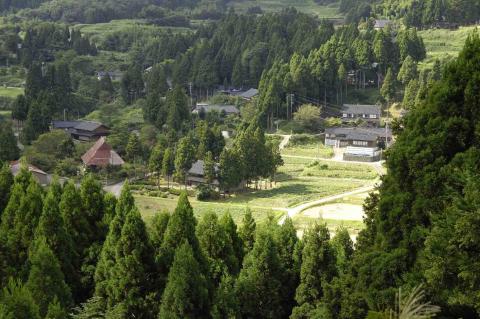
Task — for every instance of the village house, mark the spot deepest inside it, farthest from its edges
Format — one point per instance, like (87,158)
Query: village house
(101,155)
(206,108)
(249,94)
(82,130)
(114,75)
(380,24)
(196,175)
(360,143)
(367,113)
(40,176)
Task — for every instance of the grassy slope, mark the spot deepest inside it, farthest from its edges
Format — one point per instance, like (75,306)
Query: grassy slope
(307,6)
(293,188)
(10,92)
(444,44)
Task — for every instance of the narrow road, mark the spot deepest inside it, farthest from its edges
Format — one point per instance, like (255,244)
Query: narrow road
(115,189)
(300,208)
(284,142)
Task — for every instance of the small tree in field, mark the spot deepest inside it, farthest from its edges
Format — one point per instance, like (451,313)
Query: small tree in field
(308,116)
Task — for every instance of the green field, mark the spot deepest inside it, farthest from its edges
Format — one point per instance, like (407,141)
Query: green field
(444,44)
(307,6)
(311,150)
(97,32)
(10,92)
(293,187)
(149,206)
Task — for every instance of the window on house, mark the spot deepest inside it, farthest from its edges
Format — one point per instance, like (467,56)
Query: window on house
(360,143)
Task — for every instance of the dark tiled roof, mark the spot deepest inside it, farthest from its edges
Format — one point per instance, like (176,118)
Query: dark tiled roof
(64,124)
(249,93)
(87,126)
(361,109)
(198,168)
(359,133)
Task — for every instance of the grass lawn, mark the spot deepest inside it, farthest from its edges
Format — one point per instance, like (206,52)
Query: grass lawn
(307,6)
(152,205)
(98,31)
(310,150)
(339,170)
(443,44)
(293,187)
(10,92)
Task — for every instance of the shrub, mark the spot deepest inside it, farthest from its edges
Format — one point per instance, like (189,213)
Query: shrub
(205,192)
(303,139)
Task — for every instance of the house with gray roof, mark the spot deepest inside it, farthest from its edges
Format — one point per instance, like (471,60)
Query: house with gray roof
(249,94)
(367,113)
(207,108)
(381,23)
(196,174)
(372,137)
(360,143)
(82,130)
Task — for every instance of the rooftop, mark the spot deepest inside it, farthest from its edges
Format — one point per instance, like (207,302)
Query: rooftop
(361,109)
(198,168)
(101,154)
(229,109)
(249,93)
(77,125)
(359,133)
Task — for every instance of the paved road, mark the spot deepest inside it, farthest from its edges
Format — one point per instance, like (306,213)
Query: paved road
(300,208)
(115,189)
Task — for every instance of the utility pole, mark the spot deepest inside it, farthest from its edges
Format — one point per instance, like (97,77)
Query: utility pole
(191,98)
(291,105)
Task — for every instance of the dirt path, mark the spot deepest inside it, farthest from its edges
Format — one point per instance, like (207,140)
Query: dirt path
(284,142)
(300,208)
(115,189)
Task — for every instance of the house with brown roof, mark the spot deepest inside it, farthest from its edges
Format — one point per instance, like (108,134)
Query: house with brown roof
(101,155)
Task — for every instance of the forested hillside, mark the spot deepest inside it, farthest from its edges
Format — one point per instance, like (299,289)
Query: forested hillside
(423,14)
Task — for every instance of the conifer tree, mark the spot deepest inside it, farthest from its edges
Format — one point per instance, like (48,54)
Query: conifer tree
(51,226)
(155,161)
(209,168)
(259,286)
(92,196)
(76,224)
(16,301)
(343,247)
(46,280)
(107,259)
(168,165)
(131,277)
(226,221)
(92,203)
(184,157)
(110,203)
(56,311)
(286,238)
(157,230)
(388,87)
(6,184)
(225,303)
(181,228)
(186,293)
(318,268)
(133,148)
(8,143)
(247,230)
(216,246)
